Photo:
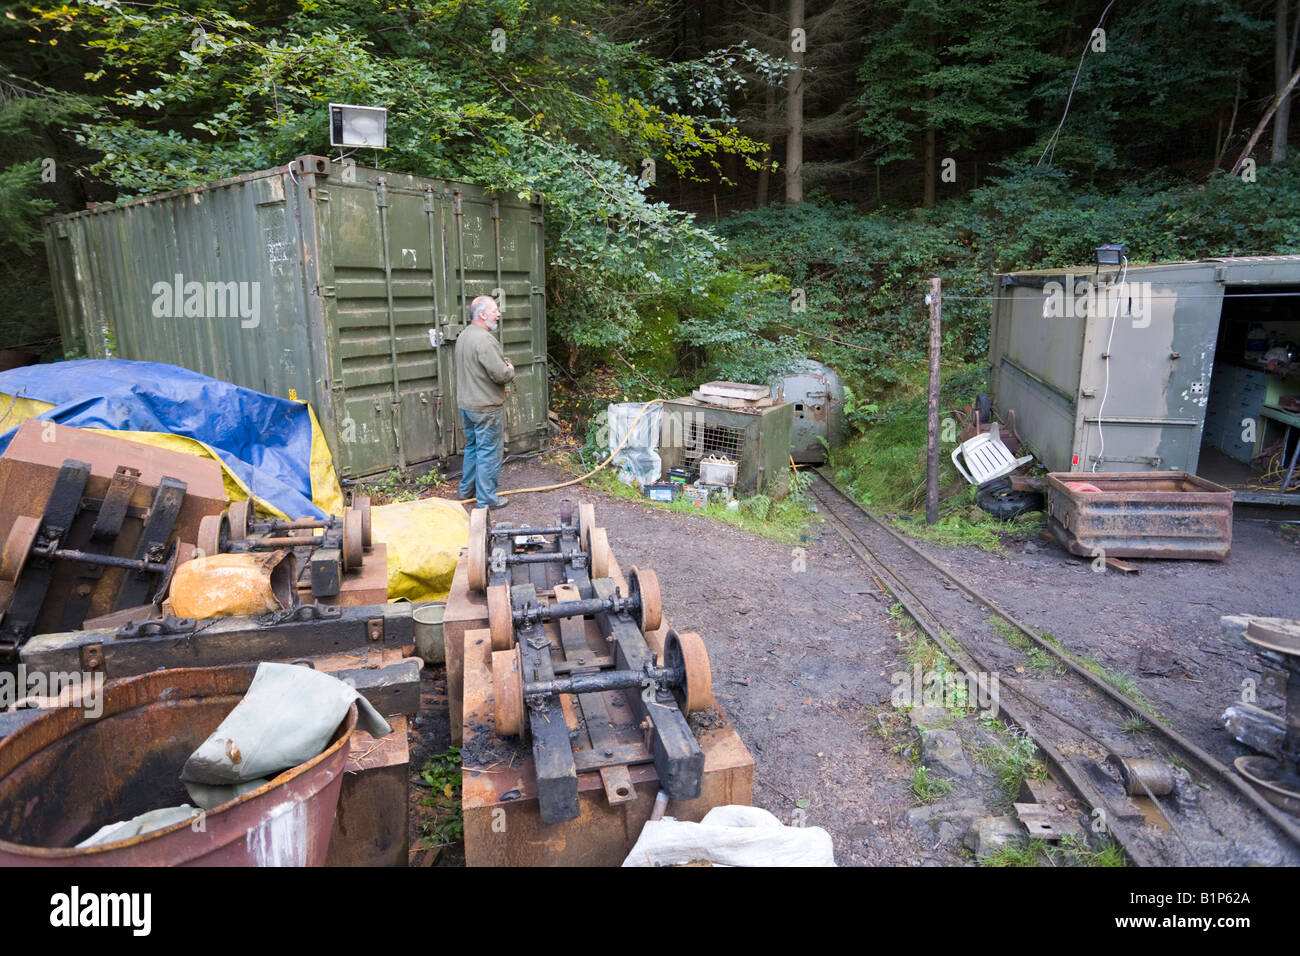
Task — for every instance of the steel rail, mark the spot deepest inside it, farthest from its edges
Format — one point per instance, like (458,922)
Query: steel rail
(1275,816)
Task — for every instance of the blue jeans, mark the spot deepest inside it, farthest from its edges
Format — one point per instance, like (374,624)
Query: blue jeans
(482,465)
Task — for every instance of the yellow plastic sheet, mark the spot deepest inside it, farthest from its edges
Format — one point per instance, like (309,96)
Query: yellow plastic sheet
(424,540)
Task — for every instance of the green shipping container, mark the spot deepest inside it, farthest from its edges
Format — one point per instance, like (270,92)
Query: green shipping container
(324,281)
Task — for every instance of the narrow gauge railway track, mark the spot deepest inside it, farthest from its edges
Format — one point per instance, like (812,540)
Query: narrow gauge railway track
(1077,720)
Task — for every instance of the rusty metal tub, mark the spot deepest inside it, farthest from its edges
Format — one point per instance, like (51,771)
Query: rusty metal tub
(65,775)
(1141,514)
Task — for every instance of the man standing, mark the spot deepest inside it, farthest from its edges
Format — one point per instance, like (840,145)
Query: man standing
(482,372)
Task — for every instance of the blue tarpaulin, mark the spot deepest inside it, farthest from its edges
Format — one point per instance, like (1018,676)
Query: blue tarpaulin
(265,442)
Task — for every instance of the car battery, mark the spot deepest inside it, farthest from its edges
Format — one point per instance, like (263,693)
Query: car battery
(666,491)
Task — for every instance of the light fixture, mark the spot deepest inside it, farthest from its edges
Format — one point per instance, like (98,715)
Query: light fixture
(1111,253)
(358,126)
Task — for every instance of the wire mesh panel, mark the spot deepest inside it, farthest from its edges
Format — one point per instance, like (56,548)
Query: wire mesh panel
(704,439)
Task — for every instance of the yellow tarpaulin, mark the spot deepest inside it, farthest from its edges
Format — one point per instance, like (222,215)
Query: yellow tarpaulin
(424,540)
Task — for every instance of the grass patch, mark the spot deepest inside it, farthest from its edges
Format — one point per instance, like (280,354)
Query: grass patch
(1071,851)
(1011,634)
(923,651)
(1039,661)
(788,521)
(926,787)
(1133,724)
(883,469)
(445,826)
(1013,763)
(1033,853)
(398,485)
(1076,852)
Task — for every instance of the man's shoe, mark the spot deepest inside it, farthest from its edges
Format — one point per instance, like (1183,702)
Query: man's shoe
(499,504)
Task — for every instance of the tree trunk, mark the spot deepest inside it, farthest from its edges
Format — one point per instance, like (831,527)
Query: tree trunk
(931,161)
(1282,56)
(794,112)
(931,169)
(769,124)
(1263,123)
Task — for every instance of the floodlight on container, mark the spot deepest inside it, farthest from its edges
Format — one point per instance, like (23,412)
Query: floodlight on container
(358,126)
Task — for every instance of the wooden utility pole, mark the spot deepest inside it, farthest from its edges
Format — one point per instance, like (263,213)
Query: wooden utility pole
(932,410)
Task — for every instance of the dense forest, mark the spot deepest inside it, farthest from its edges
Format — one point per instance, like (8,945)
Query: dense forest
(730,186)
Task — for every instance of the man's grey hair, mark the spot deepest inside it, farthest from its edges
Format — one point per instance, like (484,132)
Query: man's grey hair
(478,305)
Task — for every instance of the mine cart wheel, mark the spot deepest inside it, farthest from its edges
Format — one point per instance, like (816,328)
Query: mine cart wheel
(508,692)
(362,505)
(353,549)
(501,622)
(214,534)
(645,585)
(17,546)
(687,652)
(238,514)
(566,512)
(586,521)
(478,549)
(599,553)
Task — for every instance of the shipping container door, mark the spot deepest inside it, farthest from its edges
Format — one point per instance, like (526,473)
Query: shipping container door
(380,267)
(497,249)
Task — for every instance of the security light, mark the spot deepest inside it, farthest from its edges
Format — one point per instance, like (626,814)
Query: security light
(358,126)
(1111,254)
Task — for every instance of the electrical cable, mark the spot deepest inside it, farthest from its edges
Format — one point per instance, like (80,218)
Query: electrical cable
(1051,142)
(1114,319)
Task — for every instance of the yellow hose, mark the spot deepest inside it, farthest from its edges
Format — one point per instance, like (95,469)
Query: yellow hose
(574,481)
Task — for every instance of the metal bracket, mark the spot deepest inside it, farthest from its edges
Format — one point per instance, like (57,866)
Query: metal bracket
(168,625)
(308,612)
(92,657)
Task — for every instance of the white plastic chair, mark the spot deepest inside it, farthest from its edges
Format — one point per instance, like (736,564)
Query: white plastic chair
(986,457)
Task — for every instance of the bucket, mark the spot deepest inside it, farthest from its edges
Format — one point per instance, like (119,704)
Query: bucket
(65,775)
(429,643)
